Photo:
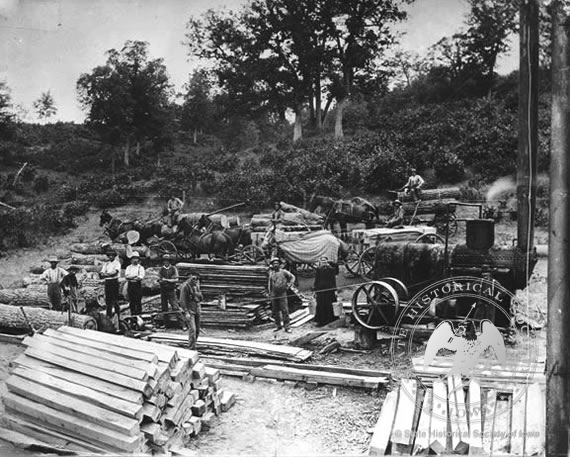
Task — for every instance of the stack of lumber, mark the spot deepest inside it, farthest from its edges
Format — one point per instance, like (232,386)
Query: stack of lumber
(92,392)
(12,317)
(229,280)
(230,346)
(316,374)
(235,315)
(458,418)
(488,371)
(300,317)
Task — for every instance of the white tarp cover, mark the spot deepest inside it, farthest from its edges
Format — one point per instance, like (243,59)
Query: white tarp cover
(310,248)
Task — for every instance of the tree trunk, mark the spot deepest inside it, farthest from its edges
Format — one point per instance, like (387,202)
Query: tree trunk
(24,297)
(138,149)
(318,111)
(195,136)
(298,128)
(113,164)
(126,157)
(13,318)
(338,132)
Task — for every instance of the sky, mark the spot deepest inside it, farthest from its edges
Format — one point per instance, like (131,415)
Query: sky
(47,44)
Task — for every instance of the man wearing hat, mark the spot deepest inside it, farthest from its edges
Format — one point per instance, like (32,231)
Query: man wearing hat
(134,274)
(397,215)
(279,281)
(110,273)
(53,277)
(174,206)
(190,298)
(70,286)
(168,278)
(414,185)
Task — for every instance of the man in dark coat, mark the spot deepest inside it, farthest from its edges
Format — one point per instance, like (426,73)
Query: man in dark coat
(325,288)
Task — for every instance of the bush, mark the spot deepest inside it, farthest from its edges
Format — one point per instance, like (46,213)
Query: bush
(41,184)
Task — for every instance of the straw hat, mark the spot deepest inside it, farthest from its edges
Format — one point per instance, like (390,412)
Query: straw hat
(133,236)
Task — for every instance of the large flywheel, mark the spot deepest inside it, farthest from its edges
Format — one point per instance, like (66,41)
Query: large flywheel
(376,304)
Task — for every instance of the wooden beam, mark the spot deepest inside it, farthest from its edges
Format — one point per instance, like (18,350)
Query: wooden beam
(384,426)
(535,420)
(421,443)
(489,420)
(457,415)
(438,438)
(475,413)
(518,429)
(403,423)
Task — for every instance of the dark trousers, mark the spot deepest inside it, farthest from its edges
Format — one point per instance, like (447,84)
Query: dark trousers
(193,320)
(169,297)
(280,309)
(112,297)
(54,295)
(134,291)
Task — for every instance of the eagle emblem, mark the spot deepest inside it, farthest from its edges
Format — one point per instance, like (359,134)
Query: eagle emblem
(467,344)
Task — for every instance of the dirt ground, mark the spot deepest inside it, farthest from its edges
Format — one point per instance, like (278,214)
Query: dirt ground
(275,418)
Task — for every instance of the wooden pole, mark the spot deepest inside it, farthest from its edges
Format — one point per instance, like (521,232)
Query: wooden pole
(528,126)
(558,337)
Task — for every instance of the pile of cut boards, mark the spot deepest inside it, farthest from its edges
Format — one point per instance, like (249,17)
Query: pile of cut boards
(233,281)
(91,392)
(456,418)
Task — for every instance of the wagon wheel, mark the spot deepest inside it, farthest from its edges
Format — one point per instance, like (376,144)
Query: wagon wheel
(430,238)
(306,270)
(250,254)
(375,305)
(352,261)
(440,222)
(90,324)
(399,286)
(165,247)
(366,262)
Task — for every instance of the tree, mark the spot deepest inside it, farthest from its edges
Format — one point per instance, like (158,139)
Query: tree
(128,98)
(45,106)
(198,109)
(6,116)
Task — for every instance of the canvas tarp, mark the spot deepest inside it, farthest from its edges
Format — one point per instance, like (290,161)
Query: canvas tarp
(310,248)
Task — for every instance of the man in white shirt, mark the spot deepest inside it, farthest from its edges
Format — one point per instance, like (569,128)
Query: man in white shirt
(53,277)
(414,185)
(134,274)
(174,207)
(110,273)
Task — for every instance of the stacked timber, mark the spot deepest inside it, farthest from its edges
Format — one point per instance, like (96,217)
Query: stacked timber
(12,317)
(454,417)
(234,315)
(229,280)
(231,346)
(99,393)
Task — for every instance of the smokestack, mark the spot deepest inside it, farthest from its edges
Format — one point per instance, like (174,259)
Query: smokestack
(528,126)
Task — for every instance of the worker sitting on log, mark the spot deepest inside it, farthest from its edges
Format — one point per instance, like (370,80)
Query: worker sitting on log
(110,274)
(190,298)
(70,288)
(134,274)
(174,206)
(168,278)
(397,215)
(280,281)
(277,215)
(53,277)
(414,185)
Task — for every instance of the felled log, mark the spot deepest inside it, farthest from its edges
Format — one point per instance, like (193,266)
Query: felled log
(98,248)
(24,297)
(87,259)
(92,294)
(433,194)
(39,269)
(13,318)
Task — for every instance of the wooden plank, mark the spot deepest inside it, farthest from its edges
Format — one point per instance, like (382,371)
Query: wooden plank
(115,378)
(128,353)
(489,420)
(403,423)
(164,353)
(457,415)
(79,408)
(535,420)
(21,425)
(114,404)
(438,437)
(502,428)
(518,420)
(70,424)
(82,353)
(114,390)
(151,411)
(421,442)
(383,429)
(475,404)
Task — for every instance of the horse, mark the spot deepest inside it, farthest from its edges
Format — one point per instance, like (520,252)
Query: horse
(239,235)
(206,241)
(114,227)
(343,211)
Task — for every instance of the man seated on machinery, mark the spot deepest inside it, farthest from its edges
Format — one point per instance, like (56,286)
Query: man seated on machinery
(414,185)
(397,215)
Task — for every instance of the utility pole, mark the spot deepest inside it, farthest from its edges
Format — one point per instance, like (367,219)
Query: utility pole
(558,335)
(528,127)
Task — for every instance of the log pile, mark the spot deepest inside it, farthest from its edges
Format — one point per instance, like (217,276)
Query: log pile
(433,194)
(235,315)
(457,418)
(25,297)
(94,393)
(230,346)
(230,280)
(99,248)
(12,317)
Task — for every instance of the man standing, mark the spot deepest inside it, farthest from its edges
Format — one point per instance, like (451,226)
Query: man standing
(190,298)
(325,291)
(134,274)
(53,277)
(174,206)
(414,185)
(70,288)
(110,273)
(397,215)
(168,278)
(279,281)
